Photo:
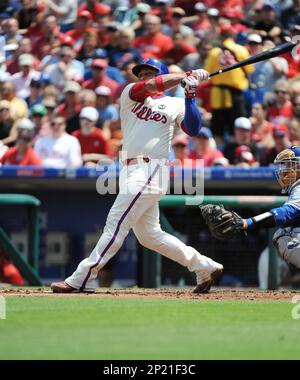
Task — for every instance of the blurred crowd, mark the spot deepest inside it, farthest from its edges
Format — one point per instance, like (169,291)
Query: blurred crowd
(64,64)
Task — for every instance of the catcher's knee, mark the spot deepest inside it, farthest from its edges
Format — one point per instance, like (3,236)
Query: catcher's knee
(288,246)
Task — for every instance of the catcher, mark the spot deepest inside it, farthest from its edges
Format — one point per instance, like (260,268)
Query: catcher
(225,224)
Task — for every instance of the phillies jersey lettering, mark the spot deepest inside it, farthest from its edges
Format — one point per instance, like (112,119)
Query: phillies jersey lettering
(149,127)
(145,113)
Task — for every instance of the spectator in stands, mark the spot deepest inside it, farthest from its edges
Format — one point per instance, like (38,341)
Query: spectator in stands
(23,78)
(128,75)
(293,60)
(262,129)
(87,98)
(8,132)
(197,59)
(266,73)
(177,91)
(35,92)
(281,108)
(39,116)
(88,49)
(50,105)
(180,49)
(41,46)
(213,33)
(65,11)
(99,77)
(125,50)
(52,92)
(66,69)
(94,146)
(268,25)
(26,16)
(163,11)
(296,107)
(180,149)
(282,141)
(242,138)
(107,111)
(70,108)
(294,131)
(202,148)
(176,25)
(243,157)
(153,43)
(82,25)
(199,21)
(17,106)
(227,98)
(24,47)
(22,153)
(10,29)
(235,15)
(59,150)
(95,8)
(127,15)
(291,16)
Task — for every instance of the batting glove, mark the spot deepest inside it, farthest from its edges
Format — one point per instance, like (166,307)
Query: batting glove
(200,74)
(190,85)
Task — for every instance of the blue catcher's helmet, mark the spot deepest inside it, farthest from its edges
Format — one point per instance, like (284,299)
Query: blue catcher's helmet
(287,165)
(151,63)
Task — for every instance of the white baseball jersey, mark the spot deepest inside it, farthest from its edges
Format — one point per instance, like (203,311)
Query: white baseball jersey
(59,152)
(148,128)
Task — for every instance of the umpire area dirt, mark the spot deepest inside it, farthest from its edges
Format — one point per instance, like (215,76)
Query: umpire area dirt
(227,294)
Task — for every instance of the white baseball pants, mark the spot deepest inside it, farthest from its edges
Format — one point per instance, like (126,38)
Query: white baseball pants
(136,206)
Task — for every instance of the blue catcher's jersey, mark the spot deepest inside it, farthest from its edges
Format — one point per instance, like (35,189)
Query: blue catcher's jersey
(288,215)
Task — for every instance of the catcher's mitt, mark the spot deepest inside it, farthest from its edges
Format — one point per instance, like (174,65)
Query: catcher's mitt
(223,224)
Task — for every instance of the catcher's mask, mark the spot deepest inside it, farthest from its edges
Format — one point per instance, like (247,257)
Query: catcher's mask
(287,170)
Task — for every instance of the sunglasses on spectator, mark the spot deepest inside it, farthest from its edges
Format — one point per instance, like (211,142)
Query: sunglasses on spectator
(179,146)
(66,56)
(280,92)
(53,124)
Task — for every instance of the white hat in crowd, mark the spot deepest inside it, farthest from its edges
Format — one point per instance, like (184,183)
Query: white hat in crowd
(103,90)
(89,113)
(26,60)
(255,38)
(242,123)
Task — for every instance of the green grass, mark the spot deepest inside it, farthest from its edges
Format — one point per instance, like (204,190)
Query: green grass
(111,328)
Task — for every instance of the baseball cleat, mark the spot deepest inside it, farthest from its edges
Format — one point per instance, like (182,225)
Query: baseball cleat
(204,287)
(63,287)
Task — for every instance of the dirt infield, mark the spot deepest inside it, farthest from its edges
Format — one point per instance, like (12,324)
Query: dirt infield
(222,294)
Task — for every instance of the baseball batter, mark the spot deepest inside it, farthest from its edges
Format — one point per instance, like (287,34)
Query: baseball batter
(148,120)
(225,224)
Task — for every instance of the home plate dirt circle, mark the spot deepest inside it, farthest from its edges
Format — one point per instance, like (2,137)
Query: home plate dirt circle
(222,294)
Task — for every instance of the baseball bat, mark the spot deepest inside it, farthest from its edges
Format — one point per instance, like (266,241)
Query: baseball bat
(278,50)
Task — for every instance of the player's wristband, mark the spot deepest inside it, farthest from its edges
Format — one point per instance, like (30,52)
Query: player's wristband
(266,219)
(250,224)
(160,83)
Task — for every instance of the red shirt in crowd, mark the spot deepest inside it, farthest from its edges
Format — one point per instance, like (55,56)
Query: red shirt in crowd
(92,84)
(285,111)
(208,157)
(155,46)
(92,143)
(177,54)
(96,11)
(11,157)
